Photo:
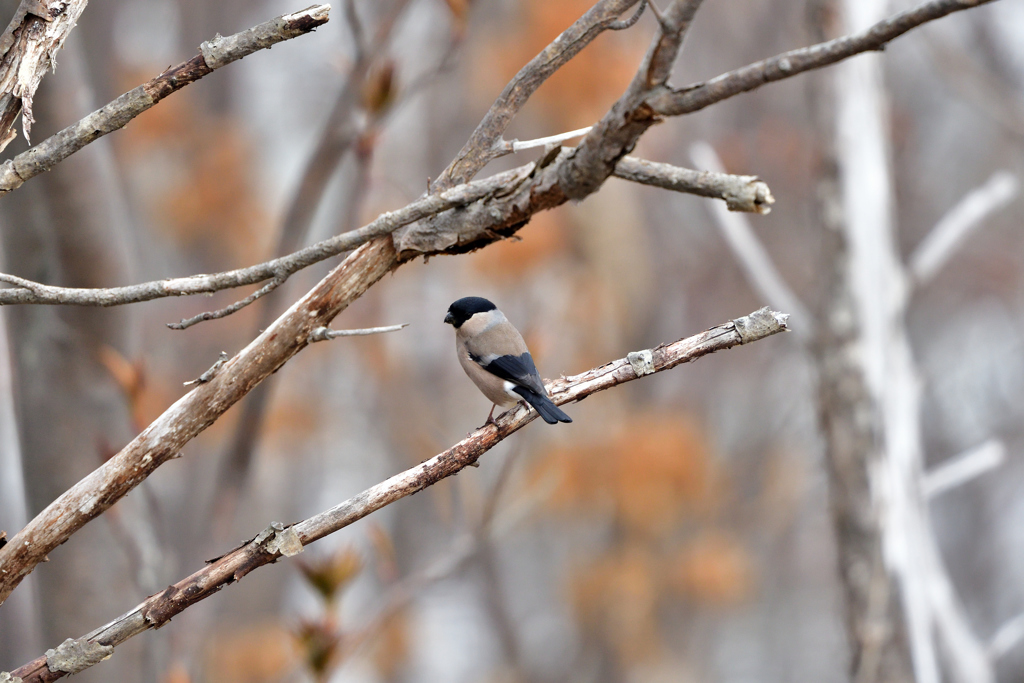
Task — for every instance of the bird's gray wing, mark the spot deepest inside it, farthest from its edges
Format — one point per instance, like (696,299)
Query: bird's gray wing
(501,351)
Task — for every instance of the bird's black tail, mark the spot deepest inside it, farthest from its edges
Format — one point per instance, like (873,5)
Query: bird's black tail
(543,405)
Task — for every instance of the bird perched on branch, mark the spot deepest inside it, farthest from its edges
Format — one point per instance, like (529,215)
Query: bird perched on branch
(494,355)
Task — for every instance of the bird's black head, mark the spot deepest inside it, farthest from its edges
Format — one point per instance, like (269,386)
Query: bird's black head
(464,309)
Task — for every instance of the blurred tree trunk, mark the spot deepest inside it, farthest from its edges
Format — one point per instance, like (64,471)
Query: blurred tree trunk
(19,622)
(847,415)
(66,227)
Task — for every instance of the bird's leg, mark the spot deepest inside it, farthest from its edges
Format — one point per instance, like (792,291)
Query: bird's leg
(490,415)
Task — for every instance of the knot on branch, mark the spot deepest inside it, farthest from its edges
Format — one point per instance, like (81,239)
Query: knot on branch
(73,656)
(760,323)
(642,362)
(277,539)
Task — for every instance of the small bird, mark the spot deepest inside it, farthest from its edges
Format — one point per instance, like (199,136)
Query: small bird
(494,355)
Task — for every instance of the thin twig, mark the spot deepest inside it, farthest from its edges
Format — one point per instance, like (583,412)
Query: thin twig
(963,468)
(208,375)
(513,146)
(20,282)
(462,195)
(326,334)
(228,310)
(941,243)
(279,541)
(212,55)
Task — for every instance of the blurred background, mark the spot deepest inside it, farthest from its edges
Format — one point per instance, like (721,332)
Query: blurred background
(678,530)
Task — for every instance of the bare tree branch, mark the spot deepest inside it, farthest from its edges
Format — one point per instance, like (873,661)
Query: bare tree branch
(212,55)
(28,48)
(590,164)
(228,310)
(743,193)
(193,413)
(282,541)
(671,102)
(325,333)
(639,114)
(514,145)
(455,221)
(963,468)
(953,228)
(740,192)
(627,23)
(483,145)
(29,292)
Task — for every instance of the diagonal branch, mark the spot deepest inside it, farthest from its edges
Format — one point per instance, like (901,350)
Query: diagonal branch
(957,224)
(28,292)
(228,310)
(212,55)
(741,193)
(506,203)
(192,413)
(671,102)
(631,116)
(484,144)
(281,541)
(617,132)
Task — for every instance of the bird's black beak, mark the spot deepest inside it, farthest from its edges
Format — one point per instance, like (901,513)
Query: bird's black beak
(449,319)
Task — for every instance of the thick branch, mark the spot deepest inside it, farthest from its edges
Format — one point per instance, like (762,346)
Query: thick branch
(507,204)
(670,102)
(193,413)
(277,540)
(741,193)
(618,131)
(212,55)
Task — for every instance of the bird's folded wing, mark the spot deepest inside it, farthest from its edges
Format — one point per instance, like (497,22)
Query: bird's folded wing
(519,370)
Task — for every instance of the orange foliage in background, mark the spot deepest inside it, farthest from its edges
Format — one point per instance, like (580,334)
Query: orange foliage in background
(656,485)
(542,239)
(192,168)
(616,598)
(713,567)
(649,475)
(250,655)
(577,94)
